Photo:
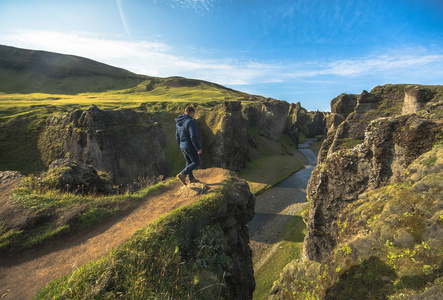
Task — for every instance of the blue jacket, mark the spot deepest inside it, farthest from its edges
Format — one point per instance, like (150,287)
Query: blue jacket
(187,133)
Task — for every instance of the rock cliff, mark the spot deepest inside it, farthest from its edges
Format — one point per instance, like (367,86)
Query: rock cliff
(389,147)
(123,142)
(351,114)
(130,144)
(375,199)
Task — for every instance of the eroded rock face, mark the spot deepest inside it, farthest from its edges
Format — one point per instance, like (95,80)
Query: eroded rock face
(351,114)
(224,135)
(343,104)
(390,145)
(123,142)
(226,127)
(415,98)
(269,117)
(130,144)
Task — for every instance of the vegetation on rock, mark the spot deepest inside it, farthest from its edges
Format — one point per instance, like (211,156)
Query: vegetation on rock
(374,229)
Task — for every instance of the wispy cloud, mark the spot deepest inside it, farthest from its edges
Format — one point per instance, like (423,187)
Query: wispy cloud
(159,59)
(200,6)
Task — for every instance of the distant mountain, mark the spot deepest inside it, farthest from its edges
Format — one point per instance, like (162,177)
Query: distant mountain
(30,71)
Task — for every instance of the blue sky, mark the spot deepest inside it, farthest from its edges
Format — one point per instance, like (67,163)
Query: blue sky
(301,50)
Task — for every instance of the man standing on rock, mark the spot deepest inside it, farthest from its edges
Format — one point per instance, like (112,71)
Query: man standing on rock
(187,138)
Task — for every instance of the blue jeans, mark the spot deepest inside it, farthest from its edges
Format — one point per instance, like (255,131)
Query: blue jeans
(192,162)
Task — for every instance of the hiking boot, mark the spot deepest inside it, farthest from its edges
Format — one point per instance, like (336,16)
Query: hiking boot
(182,178)
(193,180)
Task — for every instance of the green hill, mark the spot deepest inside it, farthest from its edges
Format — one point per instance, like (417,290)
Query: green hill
(29,71)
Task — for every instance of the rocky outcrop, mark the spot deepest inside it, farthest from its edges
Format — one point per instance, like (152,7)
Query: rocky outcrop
(123,142)
(415,99)
(374,206)
(129,144)
(224,135)
(351,114)
(390,145)
(343,104)
(71,176)
(318,124)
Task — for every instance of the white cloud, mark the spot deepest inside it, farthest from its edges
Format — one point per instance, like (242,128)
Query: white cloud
(159,59)
(395,62)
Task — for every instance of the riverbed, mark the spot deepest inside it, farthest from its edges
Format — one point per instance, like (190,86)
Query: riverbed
(275,208)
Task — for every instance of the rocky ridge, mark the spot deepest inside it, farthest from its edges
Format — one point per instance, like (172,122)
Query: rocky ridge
(130,144)
(375,199)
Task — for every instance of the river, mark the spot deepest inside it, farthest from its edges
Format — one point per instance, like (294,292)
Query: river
(275,207)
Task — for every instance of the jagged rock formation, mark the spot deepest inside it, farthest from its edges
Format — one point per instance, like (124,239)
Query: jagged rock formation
(351,114)
(375,205)
(122,142)
(390,145)
(131,144)
(224,135)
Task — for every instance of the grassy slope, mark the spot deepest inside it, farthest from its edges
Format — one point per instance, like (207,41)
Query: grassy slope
(272,162)
(156,262)
(51,208)
(29,71)
(289,249)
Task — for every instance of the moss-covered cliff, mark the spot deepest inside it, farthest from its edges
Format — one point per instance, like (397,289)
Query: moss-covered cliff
(374,229)
(198,251)
(139,142)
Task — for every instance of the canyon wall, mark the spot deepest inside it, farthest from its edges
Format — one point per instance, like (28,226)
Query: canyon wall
(373,226)
(137,143)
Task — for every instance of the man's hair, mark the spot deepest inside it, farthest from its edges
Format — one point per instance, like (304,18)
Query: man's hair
(189,109)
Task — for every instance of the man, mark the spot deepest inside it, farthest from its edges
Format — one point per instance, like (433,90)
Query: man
(187,138)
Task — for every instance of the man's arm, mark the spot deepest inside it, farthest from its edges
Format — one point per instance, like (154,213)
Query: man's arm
(193,134)
(177,137)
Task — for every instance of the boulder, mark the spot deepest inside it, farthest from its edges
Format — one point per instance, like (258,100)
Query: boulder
(68,175)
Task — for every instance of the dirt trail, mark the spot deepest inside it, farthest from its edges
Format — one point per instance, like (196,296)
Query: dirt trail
(22,276)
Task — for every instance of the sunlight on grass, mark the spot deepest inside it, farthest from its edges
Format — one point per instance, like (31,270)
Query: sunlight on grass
(15,104)
(264,172)
(289,249)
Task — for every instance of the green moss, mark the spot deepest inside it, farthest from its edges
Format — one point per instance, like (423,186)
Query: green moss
(363,281)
